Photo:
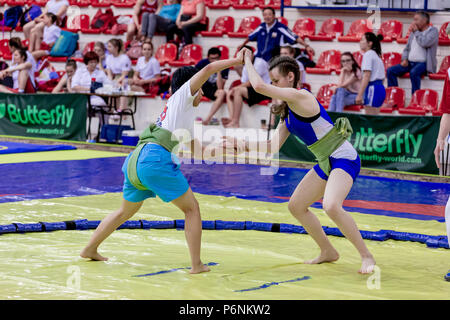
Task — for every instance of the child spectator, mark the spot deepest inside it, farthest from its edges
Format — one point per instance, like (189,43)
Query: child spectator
(372,91)
(349,82)
(147,71)
(65,83)
(213,88)
(16,44)
(100,50)
(290,52)
(142,7)
(160,21)
(41,46)
(21,72)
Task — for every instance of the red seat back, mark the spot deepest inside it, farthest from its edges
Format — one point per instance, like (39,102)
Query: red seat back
(391,59)
(89,47)
(395,97)
(442,31)
(359,27)
(224,23)
(224,52)
(4,47)
(358,55)
(331,27)
(391,28)
(248,24)
(425,99)
(191,53)
(304,27)
(324,94)
(445,64)
(283,20)
(166,52)
(330,59)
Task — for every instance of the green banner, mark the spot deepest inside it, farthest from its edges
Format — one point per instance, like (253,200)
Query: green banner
(383,142)
(56,116)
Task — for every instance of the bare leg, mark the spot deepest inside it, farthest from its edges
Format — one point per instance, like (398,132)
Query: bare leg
(27,29)
(23,78)
(110,223)
(220,97)
(39,54)
(337,189)
(238,101)
(32,46)
(131,31)
(192,229)
(310,190)
(230,106)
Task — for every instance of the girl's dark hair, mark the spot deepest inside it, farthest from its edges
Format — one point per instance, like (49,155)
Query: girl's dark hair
(71,63)
(23,53)
(117,43)
(285,65)
(376,41)
(355,66)
(15,42)
(89,56)
(181,76)
(52,17)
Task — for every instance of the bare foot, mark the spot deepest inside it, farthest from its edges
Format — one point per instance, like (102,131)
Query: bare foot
(199,269)
(205,122)
(367,265)
(328,256)
(231,125)
(225,121)
(92,254)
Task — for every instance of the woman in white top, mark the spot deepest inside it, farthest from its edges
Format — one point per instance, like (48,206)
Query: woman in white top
(65,83)
(15,44)
(20,71)
(349,82)
(372,91)
(118,65)
(42,46)
(57,7)
(100,50)
(147,71)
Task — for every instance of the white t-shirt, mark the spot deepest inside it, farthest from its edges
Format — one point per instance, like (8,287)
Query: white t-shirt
(15,77)
(261,67)
(31,71)
(83,78)
(417,53)
(54,6)
(178,112)
(373,63)
(148,70)
(51,34)
(118,64)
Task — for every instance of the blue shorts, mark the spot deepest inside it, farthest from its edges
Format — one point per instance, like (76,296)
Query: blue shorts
(159,171)
(375,94)
(352,167)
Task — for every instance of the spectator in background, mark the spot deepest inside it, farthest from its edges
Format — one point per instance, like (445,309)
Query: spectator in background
(16,44)
(419,55)
(57,7)
(147,71)
(191,18)
(141,7)
(290,52)
(245,92)
(42,47)
(100,50)
(371,92)
(65,83)
(271,34)
(21,72)
(349,82)
(160,20)
(213,88)
(118,65)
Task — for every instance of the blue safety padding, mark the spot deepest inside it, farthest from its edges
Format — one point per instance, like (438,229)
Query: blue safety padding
(333,232)
(81,224)
(230,225)
(93,224)
(290,228)
(8,228)
(208,225)
(179,224)
(169,224)
(28,227)
(130,225)
(54,226)
(7,147)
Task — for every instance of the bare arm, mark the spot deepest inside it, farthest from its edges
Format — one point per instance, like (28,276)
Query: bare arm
(220,81)
(62,11)
(444,130)
(364,84)
(136,11)
(60,85)
(160,5)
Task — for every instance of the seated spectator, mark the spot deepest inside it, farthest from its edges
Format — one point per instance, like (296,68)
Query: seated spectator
(213,88)
(160,21)
(57,7)
(147,71)
(15,44)
(419,55)
(371,92)
(349,82)
(100,50)
(41,47)
(290,52)
(118,65)
(245,92)
(21,72)
(191,18)
(141,7)
(65,83)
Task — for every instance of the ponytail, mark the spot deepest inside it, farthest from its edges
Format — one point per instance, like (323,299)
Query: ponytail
(376,41)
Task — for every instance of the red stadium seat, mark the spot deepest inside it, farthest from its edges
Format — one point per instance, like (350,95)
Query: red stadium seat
(358,55)
(122,31)
(329,60)
(283,20)
(224,52)
(246,4)
(218,4)
(324,94)
(391,30)
(353,107)
(190,55)
(304,27)
(248,24)
(166,53)
(442,73)
(422,101)
(4,49)
(391,59)
(276,4)
(306,86)
(101,3)
(223,25)
(12,3)
(26,43)
(443,38)
(328,30)
(395,99)
(80,3)
(78,23)
(123,3)
(356,31)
